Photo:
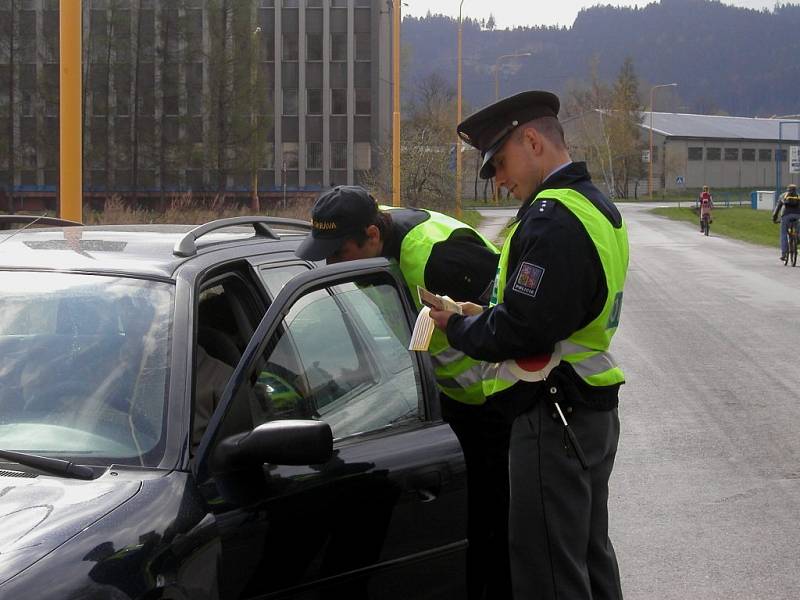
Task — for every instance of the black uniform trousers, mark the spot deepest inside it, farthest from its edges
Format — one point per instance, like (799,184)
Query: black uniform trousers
(483,432)
(558,512)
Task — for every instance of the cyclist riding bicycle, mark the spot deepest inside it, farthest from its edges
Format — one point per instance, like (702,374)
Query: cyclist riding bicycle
(788,210)
(705,202)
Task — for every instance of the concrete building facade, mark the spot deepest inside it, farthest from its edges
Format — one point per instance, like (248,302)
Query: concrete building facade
(324,86)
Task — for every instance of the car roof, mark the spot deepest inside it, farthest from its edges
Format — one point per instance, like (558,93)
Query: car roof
(135,250)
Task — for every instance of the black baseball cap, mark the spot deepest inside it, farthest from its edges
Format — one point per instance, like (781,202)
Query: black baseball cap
(337,215)
(489,128)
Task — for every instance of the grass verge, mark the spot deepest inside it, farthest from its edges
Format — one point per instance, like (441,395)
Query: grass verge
(746,224)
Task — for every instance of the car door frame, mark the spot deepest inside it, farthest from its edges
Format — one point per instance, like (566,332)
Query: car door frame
(278,309)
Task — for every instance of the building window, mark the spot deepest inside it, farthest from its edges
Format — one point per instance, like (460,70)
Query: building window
(363,156)
(314,155)
(314,101)
(314,75)
(362,74)
(266,47)
(748,154)
(289,155)
(363,97)
(363,46)
(339,102)
(338,19)
(362,18)
(764,154)
(338,75)
(290,46)
(713,153)
(314,20)
(731,154)
(338,46)
(290,101)
(338,155)
(314,46)
(695,153)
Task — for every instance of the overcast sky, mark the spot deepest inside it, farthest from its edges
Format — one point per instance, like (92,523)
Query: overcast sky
(511,13)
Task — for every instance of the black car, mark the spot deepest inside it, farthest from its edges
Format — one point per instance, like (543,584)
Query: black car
(192,413)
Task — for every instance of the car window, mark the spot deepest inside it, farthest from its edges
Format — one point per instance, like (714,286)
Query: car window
(341,355)
(276,276)
(85,366)
(227,313)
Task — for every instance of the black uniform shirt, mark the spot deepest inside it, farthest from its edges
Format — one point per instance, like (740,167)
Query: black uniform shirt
(461,267)
(554,287)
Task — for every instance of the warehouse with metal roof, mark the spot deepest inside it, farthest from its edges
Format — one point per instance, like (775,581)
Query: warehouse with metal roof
(690,151)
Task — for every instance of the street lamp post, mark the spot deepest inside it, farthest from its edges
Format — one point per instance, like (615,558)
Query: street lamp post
(396,103)
(650,155)
(254,125)
(458,119)
(497,90)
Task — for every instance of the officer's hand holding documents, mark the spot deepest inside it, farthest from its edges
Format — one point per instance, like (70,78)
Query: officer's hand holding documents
(423,328)
(470,309)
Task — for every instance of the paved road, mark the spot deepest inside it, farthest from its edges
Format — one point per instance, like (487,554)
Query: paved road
(706,492)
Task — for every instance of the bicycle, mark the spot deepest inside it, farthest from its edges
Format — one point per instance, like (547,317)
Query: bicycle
(791,238)
(705,223)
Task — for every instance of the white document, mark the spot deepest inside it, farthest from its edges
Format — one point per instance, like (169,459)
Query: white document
(423,330)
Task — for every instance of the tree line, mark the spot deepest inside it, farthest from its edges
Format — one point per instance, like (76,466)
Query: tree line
(726,59)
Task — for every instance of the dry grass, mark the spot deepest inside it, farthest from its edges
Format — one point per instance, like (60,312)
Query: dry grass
(184,208)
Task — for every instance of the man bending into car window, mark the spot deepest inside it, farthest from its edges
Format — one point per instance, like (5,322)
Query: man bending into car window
(450,258)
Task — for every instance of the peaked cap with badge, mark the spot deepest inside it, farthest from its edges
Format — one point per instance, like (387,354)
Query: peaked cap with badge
(489,128)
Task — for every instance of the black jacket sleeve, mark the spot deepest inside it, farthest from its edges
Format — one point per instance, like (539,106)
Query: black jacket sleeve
(463,268)
(555,286)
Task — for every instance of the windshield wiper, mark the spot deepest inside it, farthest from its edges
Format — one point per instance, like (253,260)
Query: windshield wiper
(53,466)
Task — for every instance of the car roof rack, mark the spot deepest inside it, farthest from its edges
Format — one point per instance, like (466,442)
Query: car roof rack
(6,220)
(187,245)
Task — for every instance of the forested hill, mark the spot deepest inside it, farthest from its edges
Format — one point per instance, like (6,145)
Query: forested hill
(725,59)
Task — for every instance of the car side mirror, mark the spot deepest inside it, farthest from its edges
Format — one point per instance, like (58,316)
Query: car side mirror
(284,442)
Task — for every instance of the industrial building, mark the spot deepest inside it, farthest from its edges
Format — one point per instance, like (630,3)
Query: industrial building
(200,95)
(722,152)
(690,151)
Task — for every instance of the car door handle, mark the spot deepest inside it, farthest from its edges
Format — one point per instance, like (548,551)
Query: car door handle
(427,485)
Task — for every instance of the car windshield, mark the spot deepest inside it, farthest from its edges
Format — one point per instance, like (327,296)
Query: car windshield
(84,366)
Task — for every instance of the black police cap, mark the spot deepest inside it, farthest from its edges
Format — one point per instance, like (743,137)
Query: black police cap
(489,128)
(337,215)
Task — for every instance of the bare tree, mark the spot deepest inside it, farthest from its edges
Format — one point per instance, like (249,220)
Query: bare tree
(426,164)
(607,121)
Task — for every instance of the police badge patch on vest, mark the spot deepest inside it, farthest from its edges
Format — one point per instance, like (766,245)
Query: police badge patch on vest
(528,279)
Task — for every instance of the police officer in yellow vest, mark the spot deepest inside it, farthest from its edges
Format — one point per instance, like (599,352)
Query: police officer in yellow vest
(449,258)
(545,339)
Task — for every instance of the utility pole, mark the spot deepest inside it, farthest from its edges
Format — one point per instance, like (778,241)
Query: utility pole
(70,188)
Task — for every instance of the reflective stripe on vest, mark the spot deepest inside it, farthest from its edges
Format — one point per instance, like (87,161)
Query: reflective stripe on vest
(457,375)
(586,350)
